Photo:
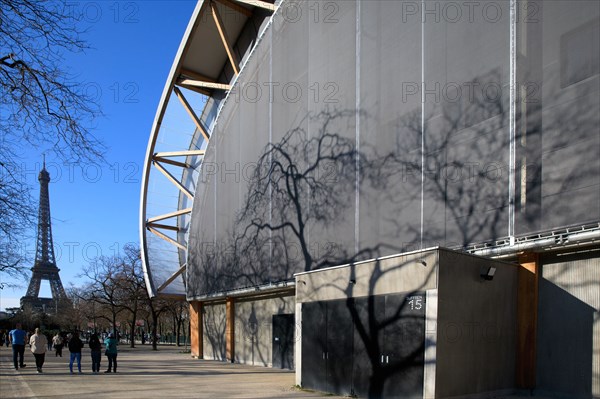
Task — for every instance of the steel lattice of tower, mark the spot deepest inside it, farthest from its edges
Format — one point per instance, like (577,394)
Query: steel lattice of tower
(44,267)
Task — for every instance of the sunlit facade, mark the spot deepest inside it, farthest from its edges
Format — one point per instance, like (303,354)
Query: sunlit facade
(299,144)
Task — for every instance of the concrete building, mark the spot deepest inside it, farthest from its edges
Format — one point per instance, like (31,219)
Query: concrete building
(318,170)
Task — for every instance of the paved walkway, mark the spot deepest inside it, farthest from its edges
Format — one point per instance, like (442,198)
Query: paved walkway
(147,374)
(143,373)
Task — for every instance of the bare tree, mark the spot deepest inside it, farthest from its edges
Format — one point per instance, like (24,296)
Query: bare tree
(131,285)
(155,308)
(178,310)
(104,273)
(43,107)
(73,317)
(11,258)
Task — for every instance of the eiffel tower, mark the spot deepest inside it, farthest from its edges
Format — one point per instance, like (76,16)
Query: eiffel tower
(44,267)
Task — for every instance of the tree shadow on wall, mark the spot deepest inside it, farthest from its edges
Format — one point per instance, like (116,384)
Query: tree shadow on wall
(369,344)
(300,189)
(304,187)
(214,326)
(458,171)
(455,157)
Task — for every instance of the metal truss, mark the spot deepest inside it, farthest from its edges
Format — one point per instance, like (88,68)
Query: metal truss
(196,84)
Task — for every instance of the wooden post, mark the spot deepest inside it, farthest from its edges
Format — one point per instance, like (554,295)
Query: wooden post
(527,314)
(235,64)
(230,330)
(196,330)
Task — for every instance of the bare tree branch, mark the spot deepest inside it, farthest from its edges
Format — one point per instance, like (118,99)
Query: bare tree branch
(44,107)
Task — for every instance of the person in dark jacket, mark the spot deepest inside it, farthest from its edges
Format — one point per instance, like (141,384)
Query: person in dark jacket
(58,343)
(75,346)
(111,353)
(96,349)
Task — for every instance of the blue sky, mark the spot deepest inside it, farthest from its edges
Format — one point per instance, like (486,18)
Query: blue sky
(95,208)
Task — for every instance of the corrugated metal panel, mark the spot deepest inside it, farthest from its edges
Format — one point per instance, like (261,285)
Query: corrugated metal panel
(579,275)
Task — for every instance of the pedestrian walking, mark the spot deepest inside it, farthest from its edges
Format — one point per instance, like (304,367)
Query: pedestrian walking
(111,353)
(57,341)
(96,349)
(75,346)
(17,340)
(49,340)
(38,344)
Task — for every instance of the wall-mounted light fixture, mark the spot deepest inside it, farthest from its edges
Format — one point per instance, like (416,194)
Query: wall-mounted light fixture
(423,262)
(488,274)
(302,281)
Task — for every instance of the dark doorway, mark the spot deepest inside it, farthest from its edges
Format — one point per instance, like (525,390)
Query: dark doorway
(366,347)
(283,341)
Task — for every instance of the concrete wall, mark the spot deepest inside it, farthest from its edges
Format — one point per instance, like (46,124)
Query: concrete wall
(476,341)
(394,274)
(415,271)
(214,318)
(470,336)
(568,356)
(253,328)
